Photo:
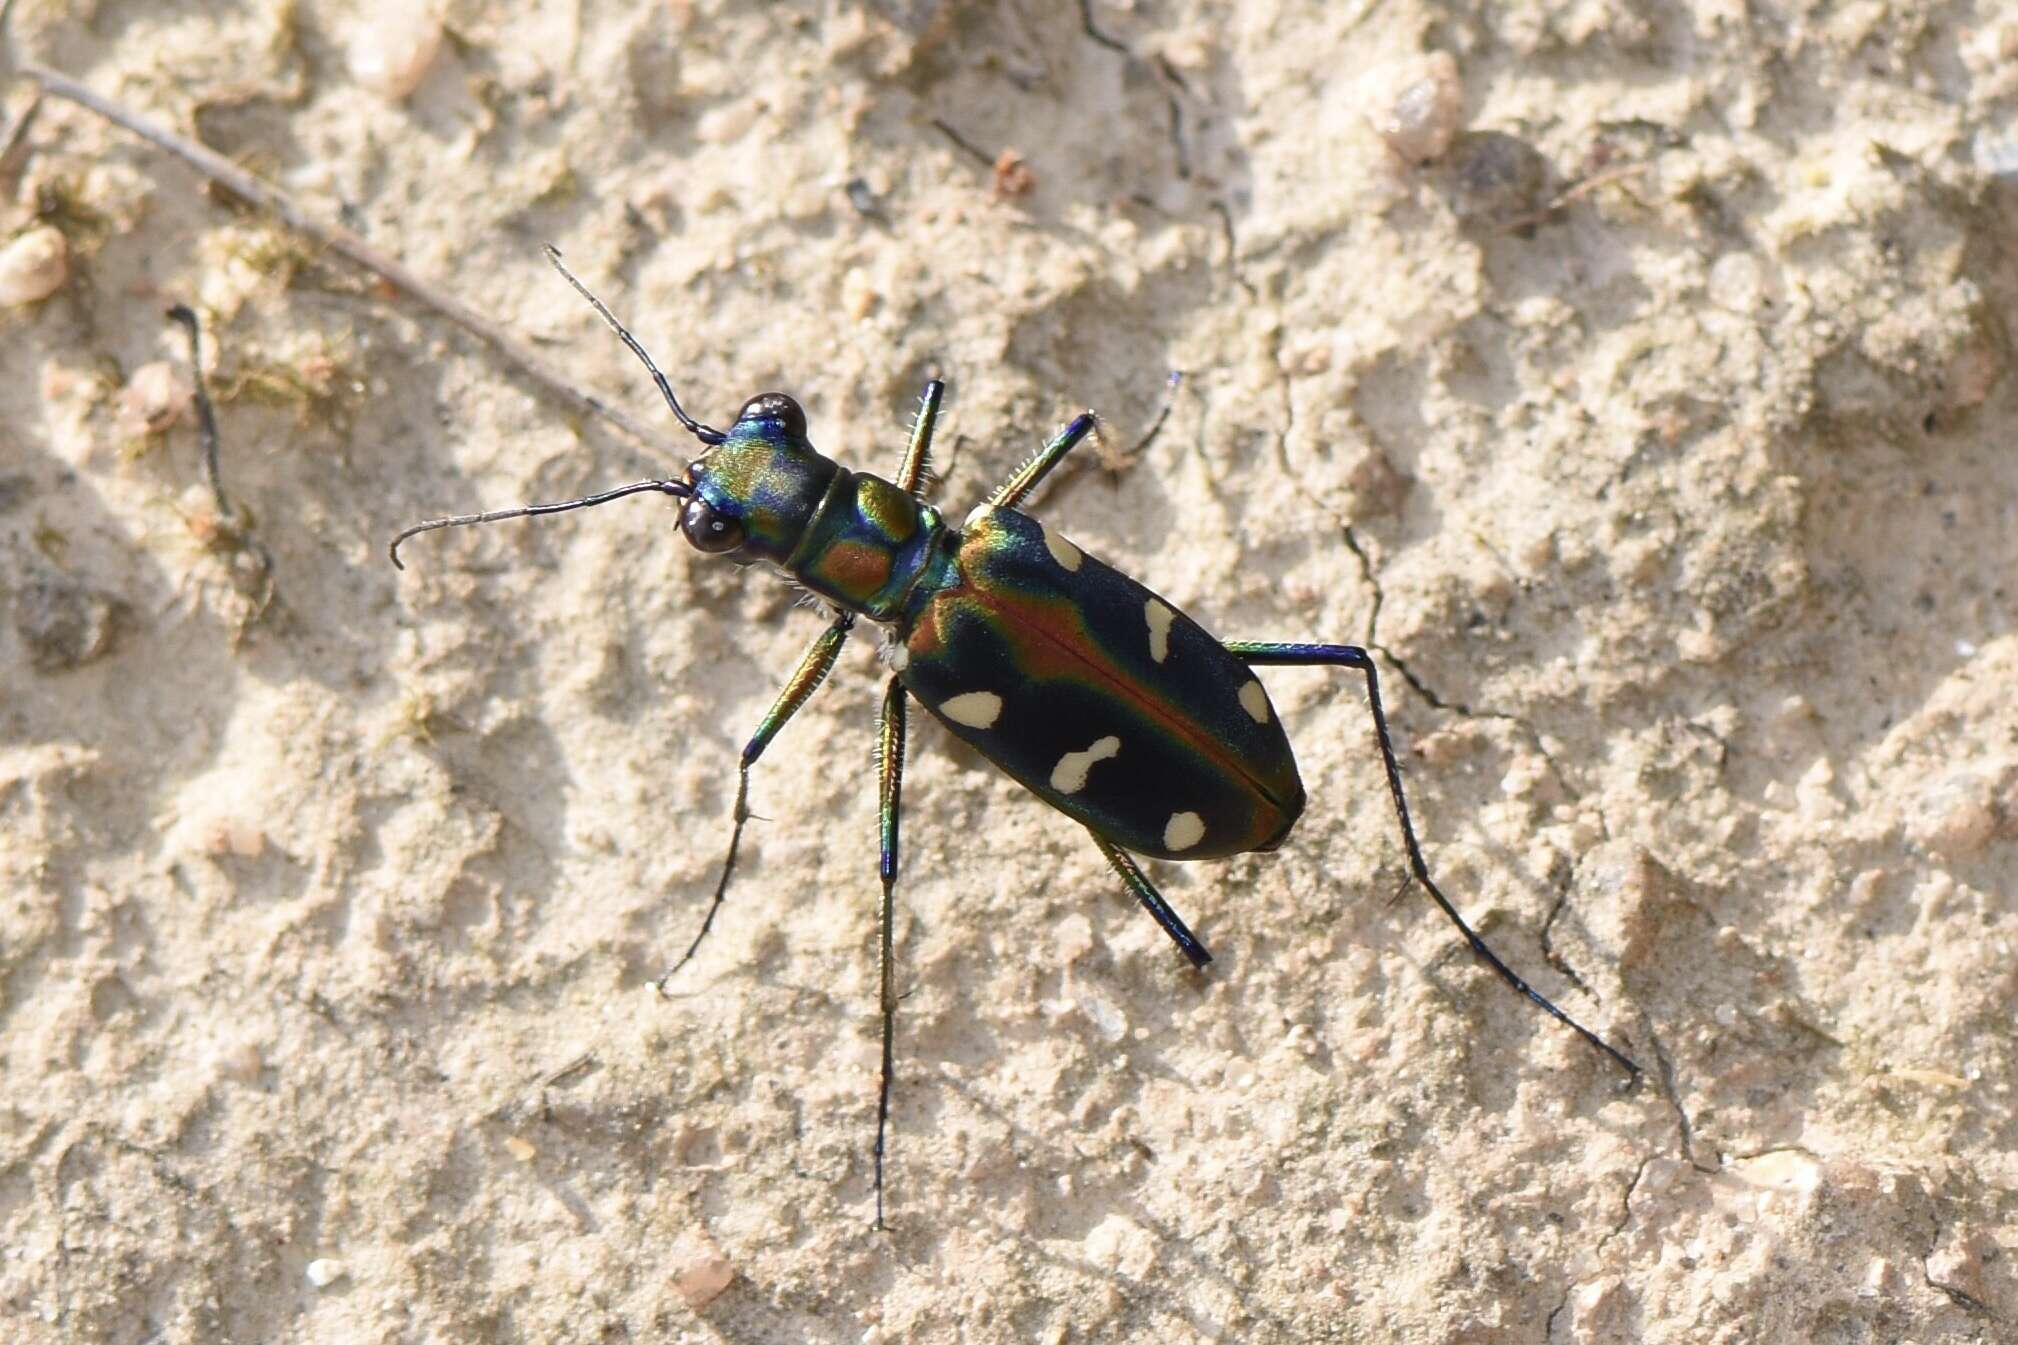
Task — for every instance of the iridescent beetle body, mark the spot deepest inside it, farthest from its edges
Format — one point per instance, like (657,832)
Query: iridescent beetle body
(1097,695)
(1092,692)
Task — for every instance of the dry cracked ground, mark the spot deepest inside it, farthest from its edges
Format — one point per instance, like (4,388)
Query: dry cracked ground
(1633,378)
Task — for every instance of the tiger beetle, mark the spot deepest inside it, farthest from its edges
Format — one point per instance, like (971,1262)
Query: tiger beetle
(1090,691)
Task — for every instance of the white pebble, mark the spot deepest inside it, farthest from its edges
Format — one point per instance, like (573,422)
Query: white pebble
(390,52)
(34,266)
(241,837)
(241,1062)
(1995,150)
(728,123)
(1737,282)
(325,1271)
(1107,1019)
(155,398)
(1424,108)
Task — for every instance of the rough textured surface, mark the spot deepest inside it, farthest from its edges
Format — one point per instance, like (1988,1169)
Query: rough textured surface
(1635,377)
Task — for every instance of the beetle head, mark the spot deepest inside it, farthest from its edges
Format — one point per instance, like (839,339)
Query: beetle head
(752,492)
(755,491)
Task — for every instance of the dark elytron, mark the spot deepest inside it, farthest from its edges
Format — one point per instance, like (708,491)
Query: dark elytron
(1100,697)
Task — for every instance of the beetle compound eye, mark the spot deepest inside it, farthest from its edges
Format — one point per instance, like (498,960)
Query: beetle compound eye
(776,406)
(708,529)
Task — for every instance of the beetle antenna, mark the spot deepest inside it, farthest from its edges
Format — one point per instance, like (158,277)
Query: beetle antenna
(679,490)
(707,434)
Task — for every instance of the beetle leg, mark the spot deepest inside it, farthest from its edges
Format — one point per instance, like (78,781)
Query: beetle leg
(890,763)
(813,667)
(1267,653)
(918,452)
(1025,478)
(1152,901)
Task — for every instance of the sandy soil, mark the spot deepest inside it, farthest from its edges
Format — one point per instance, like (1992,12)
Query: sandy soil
(1655,426)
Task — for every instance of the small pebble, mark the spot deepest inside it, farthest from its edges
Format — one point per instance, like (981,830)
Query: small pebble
(1420,106)
(235,836)
(728,122)
(863,197)
(325,1271)
(1956,812)
(1737,283)
(520,1148)
(1012,176)
(391,50)
(1118,1243)
(156,397)
(1598,1307)
(1188,48)
(33,266)
(1496,181)
(1106,1018)
(703,1278)
(1958,1262)
(1524,775)
(239,1061)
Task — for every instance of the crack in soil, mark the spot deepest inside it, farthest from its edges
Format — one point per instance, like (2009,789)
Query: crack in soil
(1225,213)
(1549,953)
(1092,30)
(1684,1125)
(1462,709)
(1625,1218)
(1960,1297)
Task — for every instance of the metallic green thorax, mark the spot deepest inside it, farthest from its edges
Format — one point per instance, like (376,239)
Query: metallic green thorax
(869,545)
(853,538)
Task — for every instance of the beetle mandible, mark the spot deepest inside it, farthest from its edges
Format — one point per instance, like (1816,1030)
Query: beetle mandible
(1090,691)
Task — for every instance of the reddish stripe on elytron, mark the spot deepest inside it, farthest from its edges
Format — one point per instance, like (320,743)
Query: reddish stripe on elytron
(924,641)
(1047,637)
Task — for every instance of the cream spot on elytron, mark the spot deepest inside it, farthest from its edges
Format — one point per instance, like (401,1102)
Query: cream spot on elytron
(1069,775)
(1255,701)
(1183,831)
(975,709)
(1160,618)
(1067,555)
(976,514)
(900,659)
